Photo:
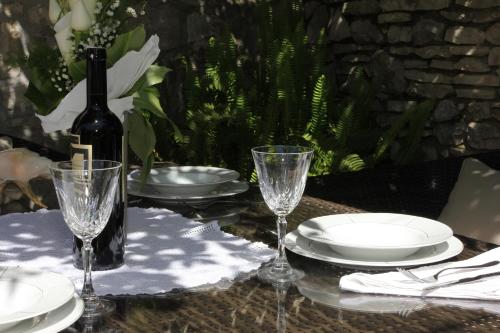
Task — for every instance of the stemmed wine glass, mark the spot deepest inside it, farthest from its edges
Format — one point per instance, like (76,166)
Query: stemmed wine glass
(282,173)
(86,191)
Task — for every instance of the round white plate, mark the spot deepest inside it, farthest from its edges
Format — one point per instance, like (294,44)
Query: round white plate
(223,190)
(426,255)
(54,321)
(375,236)
(185,180)
(49,291)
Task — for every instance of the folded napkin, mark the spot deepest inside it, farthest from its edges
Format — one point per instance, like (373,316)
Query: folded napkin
(395,283)
(164,251)
(120,77)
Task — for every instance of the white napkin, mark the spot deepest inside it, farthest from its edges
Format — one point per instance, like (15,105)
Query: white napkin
(395,283)
(120,77)
(164,251)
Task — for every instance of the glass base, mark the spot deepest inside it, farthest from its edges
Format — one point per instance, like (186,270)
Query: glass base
(98,307)
(279,273)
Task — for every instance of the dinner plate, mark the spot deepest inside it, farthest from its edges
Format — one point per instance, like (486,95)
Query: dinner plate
(320,251)
(27,293)
(375,236)
(223,190)
(185,180)
(54,321)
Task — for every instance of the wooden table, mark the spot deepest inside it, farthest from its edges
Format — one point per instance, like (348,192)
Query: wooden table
(313,305)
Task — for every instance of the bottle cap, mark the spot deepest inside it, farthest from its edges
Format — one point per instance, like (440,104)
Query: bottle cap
(96,53)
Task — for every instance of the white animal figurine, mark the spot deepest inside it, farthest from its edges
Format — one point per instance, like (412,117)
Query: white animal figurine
(19,166)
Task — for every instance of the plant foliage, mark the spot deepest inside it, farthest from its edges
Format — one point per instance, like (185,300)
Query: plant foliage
(279,93)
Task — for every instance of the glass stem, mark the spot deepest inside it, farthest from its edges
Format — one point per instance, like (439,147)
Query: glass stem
(280,261)
(88,293)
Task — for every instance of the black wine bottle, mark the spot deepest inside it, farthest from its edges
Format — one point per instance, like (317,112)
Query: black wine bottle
(97,134)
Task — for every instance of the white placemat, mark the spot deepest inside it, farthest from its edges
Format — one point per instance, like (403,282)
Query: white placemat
(164,251)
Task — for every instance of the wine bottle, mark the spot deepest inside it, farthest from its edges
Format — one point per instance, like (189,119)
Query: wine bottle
(97,133)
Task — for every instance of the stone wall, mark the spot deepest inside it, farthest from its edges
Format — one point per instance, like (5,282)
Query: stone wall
(417,49)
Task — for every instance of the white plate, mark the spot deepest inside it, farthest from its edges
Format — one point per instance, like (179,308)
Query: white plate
(375,236)
(54,321)
(49,291)
(185,180)
(426,255)
(223,190)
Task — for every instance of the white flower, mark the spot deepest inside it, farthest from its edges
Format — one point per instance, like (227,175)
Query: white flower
(54,11)
(131,11)
(63,37)
(72,3)
(109,13)
(80,17)
(91,6)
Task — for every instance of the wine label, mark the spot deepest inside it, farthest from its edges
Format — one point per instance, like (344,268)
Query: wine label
(79,154)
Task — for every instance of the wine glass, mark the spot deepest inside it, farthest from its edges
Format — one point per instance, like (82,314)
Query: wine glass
(282,173)
(86,190)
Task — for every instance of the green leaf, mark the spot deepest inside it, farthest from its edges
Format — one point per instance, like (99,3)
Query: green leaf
(153,76)
(78,70)
(142,138)
(146,169)
(129,41)
(42,104)
(148,99)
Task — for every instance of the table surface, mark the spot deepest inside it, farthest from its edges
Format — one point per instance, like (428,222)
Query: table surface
(314,304)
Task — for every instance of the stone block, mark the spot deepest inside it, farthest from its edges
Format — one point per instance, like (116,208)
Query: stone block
(457,16)
(415,63)
(470,64)
(427,31)
(477,80)
(470,50)
(339,28)
(476,93)
(478,111)
(398,17)
(420,76)
(445,110)
(464,35)
(361,7)
(450,133)
(442,64)
(401,50)
(494,56)
(477,4)
(338,48)
(428,52)
(387,73)
(399,34)
(356,58)
(430,90)
(484,135)
(365,32)
(400,106)
(493,34)
(413,5)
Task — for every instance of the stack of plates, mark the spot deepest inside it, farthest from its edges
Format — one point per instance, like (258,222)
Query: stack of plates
(374,240)
(186,184)
(34,301)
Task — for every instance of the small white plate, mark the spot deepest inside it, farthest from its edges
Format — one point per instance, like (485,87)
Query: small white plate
(33,293)
(54,321)
(426,255)
(375,236)
(223,190)
(185,180)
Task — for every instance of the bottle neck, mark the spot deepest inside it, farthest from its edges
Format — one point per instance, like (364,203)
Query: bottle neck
(96,83)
